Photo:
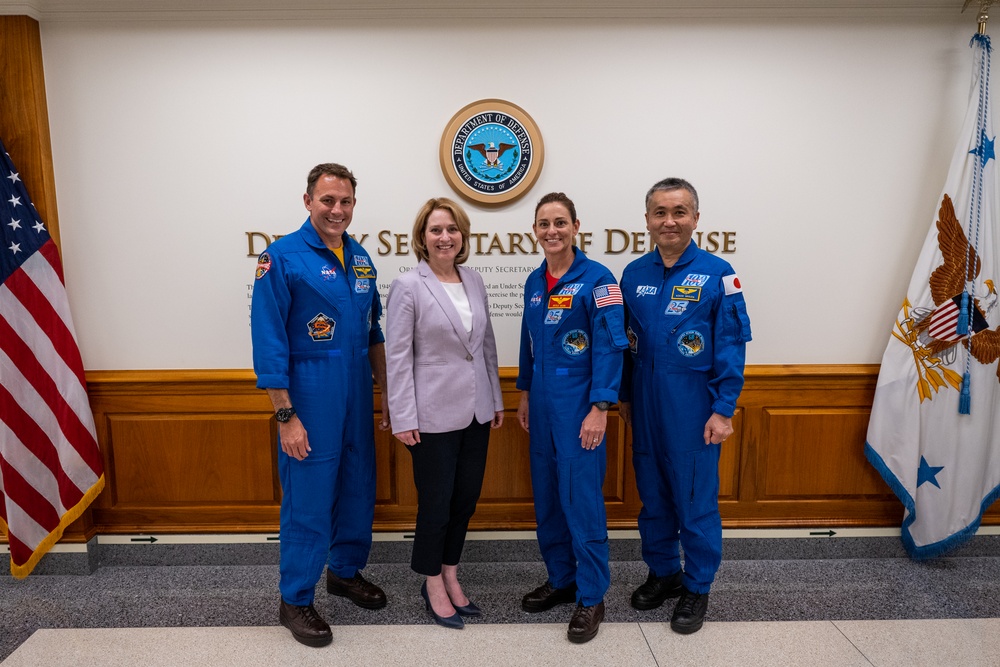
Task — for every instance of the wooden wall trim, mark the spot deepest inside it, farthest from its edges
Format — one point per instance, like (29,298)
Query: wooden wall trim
(194,450)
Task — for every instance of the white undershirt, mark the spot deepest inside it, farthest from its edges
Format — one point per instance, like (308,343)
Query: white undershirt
(461,300)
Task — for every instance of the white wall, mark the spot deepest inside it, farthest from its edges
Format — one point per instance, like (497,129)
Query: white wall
(824,147)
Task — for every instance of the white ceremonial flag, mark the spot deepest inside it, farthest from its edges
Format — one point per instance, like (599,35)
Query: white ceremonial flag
(934,433)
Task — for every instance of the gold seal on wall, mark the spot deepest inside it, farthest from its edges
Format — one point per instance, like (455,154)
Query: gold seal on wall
(491,152)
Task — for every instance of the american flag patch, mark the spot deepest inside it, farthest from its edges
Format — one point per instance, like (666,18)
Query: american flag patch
(607,295)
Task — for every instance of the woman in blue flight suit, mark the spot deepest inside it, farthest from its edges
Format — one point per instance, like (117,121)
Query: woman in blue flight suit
(572,335)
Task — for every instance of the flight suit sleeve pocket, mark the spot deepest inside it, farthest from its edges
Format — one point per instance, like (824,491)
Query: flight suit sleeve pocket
(614,324)
(741,322)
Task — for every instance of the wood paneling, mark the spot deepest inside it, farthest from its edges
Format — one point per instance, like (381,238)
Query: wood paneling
(24,116)
(195,451)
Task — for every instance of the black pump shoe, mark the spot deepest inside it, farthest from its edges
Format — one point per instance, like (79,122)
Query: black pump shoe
(471,610)
(454,621)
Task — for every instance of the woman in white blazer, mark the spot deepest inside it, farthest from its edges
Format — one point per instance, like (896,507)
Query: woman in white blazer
(444,395)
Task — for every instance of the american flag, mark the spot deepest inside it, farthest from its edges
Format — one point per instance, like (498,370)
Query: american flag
(607,295)
(50,465)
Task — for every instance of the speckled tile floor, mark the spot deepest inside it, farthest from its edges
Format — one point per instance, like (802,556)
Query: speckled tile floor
(775,602)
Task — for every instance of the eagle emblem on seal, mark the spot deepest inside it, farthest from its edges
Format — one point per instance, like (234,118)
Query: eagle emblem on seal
(932,332)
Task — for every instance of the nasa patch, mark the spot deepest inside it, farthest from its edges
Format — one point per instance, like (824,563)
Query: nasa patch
(263,265)
(575,342)
(328,272)
(691,343)
(321,328)
(536,299)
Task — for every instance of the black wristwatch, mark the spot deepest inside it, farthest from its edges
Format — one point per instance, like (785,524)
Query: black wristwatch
(284,415)
(603,406)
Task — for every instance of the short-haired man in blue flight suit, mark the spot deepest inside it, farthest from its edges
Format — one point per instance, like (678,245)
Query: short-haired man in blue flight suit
(316,343)
(688,327)
(572,337)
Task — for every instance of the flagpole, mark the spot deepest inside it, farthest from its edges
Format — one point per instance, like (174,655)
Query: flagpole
(984,16)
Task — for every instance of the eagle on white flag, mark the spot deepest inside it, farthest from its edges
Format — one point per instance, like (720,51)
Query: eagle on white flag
(934,433)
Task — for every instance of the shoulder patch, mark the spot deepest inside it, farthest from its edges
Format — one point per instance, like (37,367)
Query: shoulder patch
(607,295)
(732,284)
(263,265)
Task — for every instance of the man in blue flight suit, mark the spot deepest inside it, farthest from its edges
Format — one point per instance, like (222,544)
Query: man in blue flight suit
(688,327)
(316,342)
(572,337)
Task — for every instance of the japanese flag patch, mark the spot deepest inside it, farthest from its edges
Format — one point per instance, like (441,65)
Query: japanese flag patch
(732,284)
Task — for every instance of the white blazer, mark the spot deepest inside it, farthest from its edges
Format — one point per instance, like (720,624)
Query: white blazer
(439,376)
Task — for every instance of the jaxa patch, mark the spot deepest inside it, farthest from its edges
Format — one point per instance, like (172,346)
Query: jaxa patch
(572,288)
(698,279)
(691,343)
(263,265)
(321,328)
(362,286)
(686,293)
(676,307)
(575,342)
(328,272)
(645,290)
(560,301)
(553,316)
(633,340)
(364,272)
(536,300)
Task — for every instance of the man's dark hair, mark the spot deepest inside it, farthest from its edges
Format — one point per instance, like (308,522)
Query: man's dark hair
(329,169)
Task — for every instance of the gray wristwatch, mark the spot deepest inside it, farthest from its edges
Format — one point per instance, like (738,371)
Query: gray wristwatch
(284,415)
(603,406)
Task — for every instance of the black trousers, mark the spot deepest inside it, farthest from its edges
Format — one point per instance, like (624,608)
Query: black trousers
(448,471)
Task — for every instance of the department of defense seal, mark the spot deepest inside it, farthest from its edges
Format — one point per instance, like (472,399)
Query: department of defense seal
(491,152)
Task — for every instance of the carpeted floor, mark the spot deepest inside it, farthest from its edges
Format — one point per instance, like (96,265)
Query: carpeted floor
(232,585)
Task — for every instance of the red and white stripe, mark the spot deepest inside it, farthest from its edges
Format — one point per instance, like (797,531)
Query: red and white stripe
(50,464)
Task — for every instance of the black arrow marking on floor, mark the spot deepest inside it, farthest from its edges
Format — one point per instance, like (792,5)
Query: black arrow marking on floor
(149,539)
(828,533)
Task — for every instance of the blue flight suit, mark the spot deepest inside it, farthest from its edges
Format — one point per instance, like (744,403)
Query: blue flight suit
(687,340)
(570,358)
(312,322)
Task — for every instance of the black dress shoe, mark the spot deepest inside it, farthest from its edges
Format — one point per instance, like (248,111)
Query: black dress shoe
(651,594)
(547,596)
(585,623)
(471,610)
(689,614)
(306,625)
(357,589)
(454,621)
